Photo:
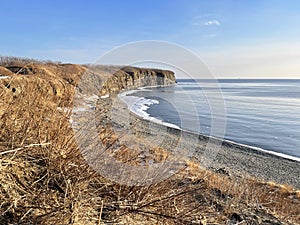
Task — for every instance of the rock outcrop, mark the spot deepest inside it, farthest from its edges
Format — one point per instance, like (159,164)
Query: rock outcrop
(133,77)
(57,82)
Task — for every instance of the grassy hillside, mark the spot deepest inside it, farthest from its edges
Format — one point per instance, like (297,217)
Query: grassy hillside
(45,179)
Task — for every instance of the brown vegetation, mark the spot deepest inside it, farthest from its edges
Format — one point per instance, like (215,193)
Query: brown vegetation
(45,179)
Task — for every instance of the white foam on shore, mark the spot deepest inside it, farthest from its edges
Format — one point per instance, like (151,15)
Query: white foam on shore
(4,77)
(282,155)
(139,106)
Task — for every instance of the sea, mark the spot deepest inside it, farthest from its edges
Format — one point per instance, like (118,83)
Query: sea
(261,113)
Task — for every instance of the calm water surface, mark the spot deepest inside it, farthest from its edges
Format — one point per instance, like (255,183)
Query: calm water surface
(260,113)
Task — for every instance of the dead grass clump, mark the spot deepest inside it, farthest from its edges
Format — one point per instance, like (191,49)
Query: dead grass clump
(5,72)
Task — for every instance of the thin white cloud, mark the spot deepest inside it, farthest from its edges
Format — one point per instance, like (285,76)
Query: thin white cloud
(206,20)
(212,23)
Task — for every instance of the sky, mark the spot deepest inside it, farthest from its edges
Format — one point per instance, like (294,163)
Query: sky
(235,38)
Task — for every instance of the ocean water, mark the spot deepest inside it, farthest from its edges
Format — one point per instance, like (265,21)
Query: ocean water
(263,113)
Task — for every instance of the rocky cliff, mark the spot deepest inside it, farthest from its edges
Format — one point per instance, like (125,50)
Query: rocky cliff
(133,77)
(58,81)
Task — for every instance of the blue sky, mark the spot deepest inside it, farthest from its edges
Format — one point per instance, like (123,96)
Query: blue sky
(257,38)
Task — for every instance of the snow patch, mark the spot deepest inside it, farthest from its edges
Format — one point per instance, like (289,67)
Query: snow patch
(104,96)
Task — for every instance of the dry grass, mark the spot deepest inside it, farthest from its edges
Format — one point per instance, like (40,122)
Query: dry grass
(45,179)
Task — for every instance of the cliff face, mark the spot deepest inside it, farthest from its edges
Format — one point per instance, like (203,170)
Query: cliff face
(133,77)
(59,80)
(56,83)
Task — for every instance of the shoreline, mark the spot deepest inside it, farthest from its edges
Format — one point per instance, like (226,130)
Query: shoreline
(226,141)
(235,158)
(250,147)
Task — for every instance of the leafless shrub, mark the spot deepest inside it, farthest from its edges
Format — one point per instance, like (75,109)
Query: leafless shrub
(7,61)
